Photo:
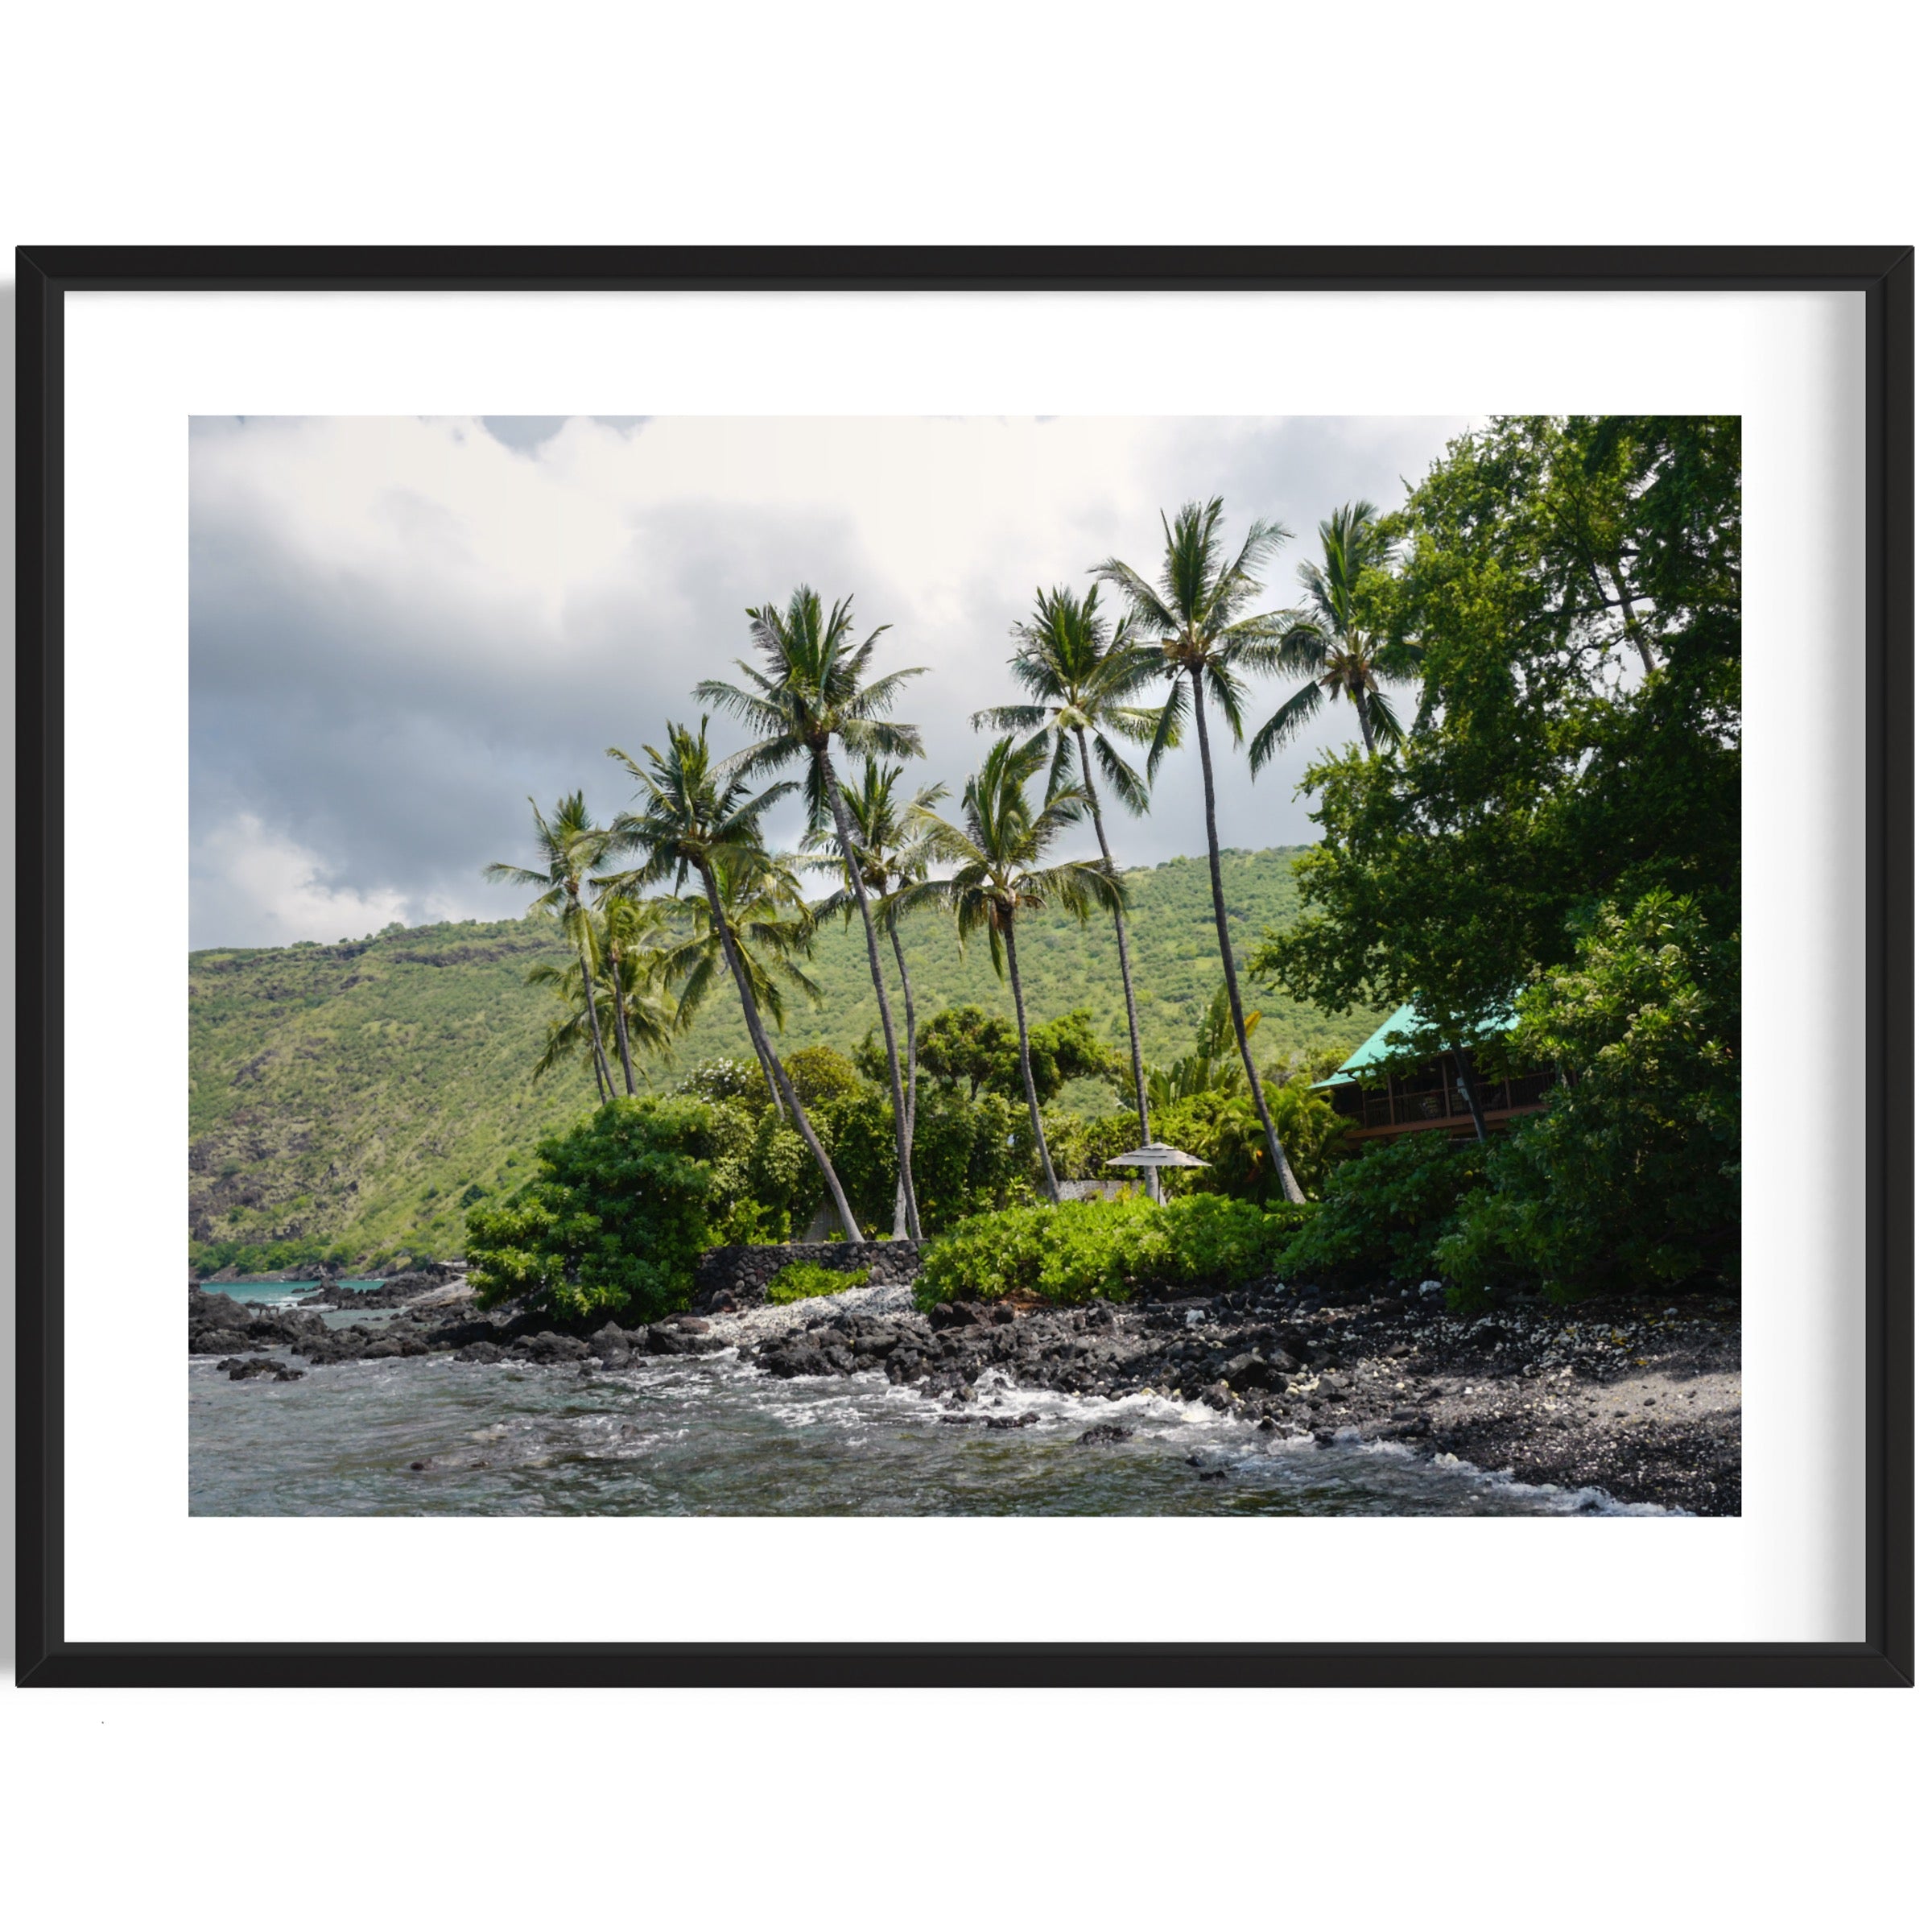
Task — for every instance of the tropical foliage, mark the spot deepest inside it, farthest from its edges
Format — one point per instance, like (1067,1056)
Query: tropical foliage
(1560,837)
(1193,609)
(1000,872)
(1552,840)
(614,1217)
(1113,1249)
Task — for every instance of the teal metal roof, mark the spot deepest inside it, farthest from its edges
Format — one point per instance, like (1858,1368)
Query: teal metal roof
(1390,1040)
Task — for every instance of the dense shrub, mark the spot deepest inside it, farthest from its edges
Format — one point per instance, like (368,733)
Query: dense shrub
(1383,1213)
(1103,1250)
(805,1280)
(1631,1179)
(620,1208)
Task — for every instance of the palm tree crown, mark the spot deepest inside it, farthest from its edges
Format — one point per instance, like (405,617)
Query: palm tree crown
(699,817)
(1080,673)
(1196,614)
(1333,644)
(570,846)
(810,689)
(892,840)
(813,688)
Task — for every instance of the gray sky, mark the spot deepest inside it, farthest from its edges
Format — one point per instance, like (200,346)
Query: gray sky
(401,628)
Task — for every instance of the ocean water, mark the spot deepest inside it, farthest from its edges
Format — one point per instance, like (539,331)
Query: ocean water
(709,1436)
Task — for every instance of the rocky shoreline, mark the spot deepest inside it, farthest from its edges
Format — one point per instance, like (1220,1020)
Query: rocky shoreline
(1641,1401)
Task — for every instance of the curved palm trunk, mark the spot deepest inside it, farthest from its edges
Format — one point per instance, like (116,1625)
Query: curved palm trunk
(596,1031)
(1120,939)
(902,1123)
(912,1071)
(1051,1185)
(1289,1190)
(616,1000)
(1361,717)
(774,1070)
(581,937)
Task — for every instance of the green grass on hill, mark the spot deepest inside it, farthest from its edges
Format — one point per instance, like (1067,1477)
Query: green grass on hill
(365,1094)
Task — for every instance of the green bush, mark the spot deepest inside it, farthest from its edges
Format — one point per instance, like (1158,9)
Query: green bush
(1111,1250)
(805,1280)
(620,1207)
(1384,1212)
(1631,1179)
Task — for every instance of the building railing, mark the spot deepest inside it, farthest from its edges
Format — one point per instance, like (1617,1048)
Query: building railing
(1437,1098)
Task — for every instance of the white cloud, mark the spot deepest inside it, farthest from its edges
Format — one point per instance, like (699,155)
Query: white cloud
(400,627)
(281,892)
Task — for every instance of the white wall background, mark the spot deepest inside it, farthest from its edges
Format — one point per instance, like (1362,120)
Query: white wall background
(1124,123)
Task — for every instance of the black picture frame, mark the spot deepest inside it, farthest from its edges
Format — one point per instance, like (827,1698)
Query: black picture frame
(1883,276)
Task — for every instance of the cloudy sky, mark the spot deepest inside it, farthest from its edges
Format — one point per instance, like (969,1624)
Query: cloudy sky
(401,628)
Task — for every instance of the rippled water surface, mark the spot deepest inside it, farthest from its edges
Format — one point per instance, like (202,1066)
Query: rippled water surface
(709,1436)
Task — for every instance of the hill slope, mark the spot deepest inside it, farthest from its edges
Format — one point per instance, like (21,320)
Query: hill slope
(363,1093)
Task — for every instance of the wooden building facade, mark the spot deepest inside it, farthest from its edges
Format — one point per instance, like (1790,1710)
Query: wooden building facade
(1426,1096)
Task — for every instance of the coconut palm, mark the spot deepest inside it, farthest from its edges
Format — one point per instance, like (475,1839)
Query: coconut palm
(1196,617)
(695,818)
(629,998)
(894,844)
(1080,674)
(571,847)
(811,691)
(999,853)
(1332,644)
(768,926)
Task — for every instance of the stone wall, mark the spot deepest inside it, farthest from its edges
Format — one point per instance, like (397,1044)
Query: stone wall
(742,1273)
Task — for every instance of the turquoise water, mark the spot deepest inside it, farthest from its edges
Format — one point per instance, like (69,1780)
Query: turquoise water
(278,1293)
(708,1435)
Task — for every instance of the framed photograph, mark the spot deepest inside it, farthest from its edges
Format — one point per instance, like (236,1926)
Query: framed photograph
(911,966)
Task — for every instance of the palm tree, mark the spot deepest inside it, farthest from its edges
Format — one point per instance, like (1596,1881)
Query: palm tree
(629,997)
(811,690)
(768,925)
(571,847)
(1081,676)
(999,853)
(1195,616)
(894,844)
(693,814)
(1332,644)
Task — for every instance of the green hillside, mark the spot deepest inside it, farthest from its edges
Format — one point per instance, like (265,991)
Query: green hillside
(364,1093)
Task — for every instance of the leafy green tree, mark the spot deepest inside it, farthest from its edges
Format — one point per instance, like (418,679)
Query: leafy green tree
(570,847)
(1000,853)
(893,845)
(1080,675)
(1547,769)
(1335,644)
(813,690)
(614,1219)
(982,1049)
(1573,585)
(692,816)
(965,1044)
(1195,615)
(1631,1179)
(1384,1214)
